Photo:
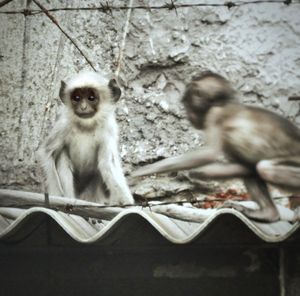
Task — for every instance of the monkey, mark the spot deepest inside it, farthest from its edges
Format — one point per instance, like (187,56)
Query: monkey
(260,146)
(80,156)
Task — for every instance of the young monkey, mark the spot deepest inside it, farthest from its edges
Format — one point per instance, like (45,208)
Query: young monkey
(80,156)
(260,146)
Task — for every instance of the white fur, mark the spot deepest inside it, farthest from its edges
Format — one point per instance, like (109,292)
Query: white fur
(89,79)
(86,145)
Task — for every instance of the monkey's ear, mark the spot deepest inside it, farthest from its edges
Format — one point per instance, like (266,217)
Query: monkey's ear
(62,91)
(115,89)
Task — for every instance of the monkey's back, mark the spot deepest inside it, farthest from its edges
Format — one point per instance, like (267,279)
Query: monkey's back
(250,134)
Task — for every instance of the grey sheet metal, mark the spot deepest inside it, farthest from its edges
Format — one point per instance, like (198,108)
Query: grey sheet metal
(176,231)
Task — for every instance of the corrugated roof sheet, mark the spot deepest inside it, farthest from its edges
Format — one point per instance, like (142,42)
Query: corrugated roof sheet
(174,230)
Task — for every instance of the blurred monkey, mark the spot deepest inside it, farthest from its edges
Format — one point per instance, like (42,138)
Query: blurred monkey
(260,146)
(80,157)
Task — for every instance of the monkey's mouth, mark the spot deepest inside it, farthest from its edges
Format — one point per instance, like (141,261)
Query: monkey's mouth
(192,117)
(195,121)
(85,115)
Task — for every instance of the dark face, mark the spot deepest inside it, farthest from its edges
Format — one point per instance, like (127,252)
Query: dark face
(85,102)
(196,107)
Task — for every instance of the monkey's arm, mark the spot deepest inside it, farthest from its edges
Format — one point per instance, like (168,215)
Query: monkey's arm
(177,163)
(220,171)
(59,175)
(53,184)
(65,175)
(49,157)
(110,168)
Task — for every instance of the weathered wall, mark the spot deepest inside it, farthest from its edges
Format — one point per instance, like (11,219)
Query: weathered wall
(256,46)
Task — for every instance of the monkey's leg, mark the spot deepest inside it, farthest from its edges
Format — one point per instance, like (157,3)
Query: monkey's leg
(65,173)
(178,163)
(220,171)
(95,190)
(284,172)
(259,193)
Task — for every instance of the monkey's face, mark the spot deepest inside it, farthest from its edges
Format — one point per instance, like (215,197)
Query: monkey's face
(204,92)
(196,116)
(196,106)
(85,102)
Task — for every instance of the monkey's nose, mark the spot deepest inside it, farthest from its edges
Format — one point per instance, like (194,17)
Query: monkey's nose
(83,106)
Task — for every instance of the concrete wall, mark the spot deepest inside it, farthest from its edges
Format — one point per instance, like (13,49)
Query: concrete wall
(256,46)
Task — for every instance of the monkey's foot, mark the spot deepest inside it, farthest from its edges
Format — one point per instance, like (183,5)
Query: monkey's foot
(261,215)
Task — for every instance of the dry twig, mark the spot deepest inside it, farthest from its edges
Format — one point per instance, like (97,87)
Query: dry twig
(2,3)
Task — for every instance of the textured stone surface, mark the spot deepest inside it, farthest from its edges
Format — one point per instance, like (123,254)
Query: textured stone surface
(256,46)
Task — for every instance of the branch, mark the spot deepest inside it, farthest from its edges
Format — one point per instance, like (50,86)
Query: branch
(122,47)
(294,98)
(183,213)
(2,3)
(26,200)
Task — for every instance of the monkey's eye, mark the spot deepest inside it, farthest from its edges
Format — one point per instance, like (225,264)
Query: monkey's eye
(91,98)
(76,98)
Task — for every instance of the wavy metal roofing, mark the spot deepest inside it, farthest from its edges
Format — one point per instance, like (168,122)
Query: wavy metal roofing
(174,230)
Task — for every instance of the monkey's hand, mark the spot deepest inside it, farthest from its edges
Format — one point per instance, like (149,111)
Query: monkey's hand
(121,195)
(268,215)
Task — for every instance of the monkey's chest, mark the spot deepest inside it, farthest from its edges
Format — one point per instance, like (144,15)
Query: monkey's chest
(83,152)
